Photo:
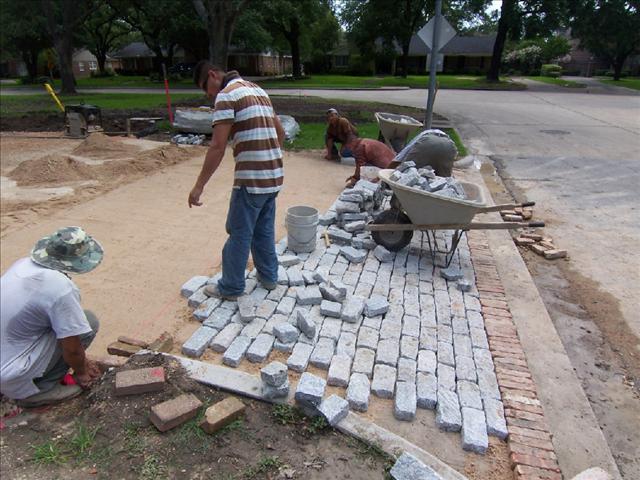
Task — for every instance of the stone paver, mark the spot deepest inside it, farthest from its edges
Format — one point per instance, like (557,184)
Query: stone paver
(322,353)
(339,371)
(408,467)
(260,348)
(404,407)
(426,390)
(299,358)
(474,430)
(334,409)
(233,355)
(363,361)
(358,392)
(310,389)
(197,343)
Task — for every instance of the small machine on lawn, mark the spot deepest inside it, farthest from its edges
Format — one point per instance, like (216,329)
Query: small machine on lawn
(412,209)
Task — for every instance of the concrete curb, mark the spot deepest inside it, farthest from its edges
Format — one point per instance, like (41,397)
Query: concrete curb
(578,441)
(242,383)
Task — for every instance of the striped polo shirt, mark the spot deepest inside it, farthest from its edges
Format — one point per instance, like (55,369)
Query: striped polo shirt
(254,138)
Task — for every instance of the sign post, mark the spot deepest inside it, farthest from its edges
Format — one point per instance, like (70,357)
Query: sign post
(435,34)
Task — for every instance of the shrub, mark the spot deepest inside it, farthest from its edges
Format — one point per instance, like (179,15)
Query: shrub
(360,66)
(551,70)
(527,59)
(107,73)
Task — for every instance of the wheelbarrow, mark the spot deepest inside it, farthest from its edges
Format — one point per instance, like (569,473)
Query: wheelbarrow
(395,129)
(413,209)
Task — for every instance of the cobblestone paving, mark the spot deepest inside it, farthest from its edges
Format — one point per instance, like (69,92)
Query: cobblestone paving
(427,348)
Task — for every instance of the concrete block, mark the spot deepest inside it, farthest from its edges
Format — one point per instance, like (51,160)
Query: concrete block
(270,392)
(192,285)
(406,370)
(363,361)
(448,416)
(334,409)
(427,362)
(233,356)
(330,309)
(310,389)
(221,414)
(408,467)
(288,260)
(426,390)
(494,414)
(309,295)
(388,352)
(274,374)
(384,381)
(286,333)
(358,392)
(174,412)
(305,324)
(224,338)
(346,344)
(299,358)
(352,309)
(469,394)
(339,371)
(140,380)
(382,254)
(404,405)
(198,342)
(260,348)
(474,431)
(554,254)
(322,353)
(122,349)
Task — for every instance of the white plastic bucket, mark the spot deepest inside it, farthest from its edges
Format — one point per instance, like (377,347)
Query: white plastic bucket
(301,223)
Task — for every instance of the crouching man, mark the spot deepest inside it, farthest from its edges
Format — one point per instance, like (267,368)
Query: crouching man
(43,329)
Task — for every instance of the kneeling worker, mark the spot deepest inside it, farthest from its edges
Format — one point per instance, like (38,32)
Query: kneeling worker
(43,329)
(339,130)
(369,153)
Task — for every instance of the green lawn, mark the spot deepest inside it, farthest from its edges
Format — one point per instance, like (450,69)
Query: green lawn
(311,136)
(22,104)
(468,82)
(627,82)
(561,82)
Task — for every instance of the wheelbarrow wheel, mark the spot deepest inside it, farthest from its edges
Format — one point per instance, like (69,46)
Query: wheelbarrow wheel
(394,241)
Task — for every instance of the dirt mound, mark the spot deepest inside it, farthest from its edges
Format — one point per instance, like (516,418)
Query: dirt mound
(51,169)
(101,146)
(59,169)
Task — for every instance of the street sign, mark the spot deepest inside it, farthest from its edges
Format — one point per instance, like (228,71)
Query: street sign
(447,32)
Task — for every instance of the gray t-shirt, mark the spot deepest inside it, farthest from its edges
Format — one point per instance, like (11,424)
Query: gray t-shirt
(38,306)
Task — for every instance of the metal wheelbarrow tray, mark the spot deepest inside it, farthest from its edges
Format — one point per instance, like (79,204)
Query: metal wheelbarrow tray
(395,129)
(414,209)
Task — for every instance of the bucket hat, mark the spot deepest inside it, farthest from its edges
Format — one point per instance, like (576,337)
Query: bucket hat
(69,249)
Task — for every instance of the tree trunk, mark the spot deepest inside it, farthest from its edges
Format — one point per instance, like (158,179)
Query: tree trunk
(65,57)
(101,57)
(62,36)
(405,60)
(294,42)
(30,59)
(493,75)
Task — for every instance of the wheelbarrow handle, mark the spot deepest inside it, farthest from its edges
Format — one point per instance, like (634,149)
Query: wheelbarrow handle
(536,224)
(505,206)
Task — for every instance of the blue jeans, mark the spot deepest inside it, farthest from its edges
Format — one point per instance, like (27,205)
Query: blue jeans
(250,225)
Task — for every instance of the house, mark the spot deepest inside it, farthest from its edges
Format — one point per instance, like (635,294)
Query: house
(84,63)
(136,58)
(463,54)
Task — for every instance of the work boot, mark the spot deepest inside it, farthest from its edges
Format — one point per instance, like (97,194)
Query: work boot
(267,285)
(213,291)
(57,394)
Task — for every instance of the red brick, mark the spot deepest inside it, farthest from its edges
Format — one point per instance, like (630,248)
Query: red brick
(221,414)
(539,249)
(507,332)
(491,289)
(527,432)
(498,312)
(537,473)
(517,392)
(507,346)
(530,424)
(523,241)
(108,361)
(174,412)
(133,341)
(522,406)
(527,450)
(530,386)
(524,415)
(533,236)
(141,380)
(122,349)
(534,461)
(502,321)
(513,372)
(510,355)
(507,342)
(531,442)
(512,363)
(493,303)
(493,296)
(503,378)
(553,254)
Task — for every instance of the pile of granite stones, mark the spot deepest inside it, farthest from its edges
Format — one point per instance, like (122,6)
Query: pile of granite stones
(425,179)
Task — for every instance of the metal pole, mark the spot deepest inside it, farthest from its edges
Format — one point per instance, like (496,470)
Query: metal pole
(435,48)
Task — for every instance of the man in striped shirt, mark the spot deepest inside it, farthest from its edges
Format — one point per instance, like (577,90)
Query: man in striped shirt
(244,114)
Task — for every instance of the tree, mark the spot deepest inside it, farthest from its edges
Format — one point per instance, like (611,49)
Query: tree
(102,31)
(63,19)
(525,19)
(219,17)
(608,28)
(23,33)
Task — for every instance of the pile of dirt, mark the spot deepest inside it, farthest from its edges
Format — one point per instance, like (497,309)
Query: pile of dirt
(51,169)
(101,146)
(61,169)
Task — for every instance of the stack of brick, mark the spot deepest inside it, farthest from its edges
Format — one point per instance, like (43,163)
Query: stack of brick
(426,180)
(518,214)
(275,381)
(540,244)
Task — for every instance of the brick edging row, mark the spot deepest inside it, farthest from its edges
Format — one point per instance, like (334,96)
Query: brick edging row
(532,454)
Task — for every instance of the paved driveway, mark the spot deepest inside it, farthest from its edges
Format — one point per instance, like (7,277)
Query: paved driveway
(575,153)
